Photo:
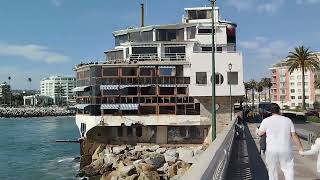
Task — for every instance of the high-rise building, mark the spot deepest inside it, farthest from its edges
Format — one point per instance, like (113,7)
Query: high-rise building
(5,93)
(59,88)
(287,88)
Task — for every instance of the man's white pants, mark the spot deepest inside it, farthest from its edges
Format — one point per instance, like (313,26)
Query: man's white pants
(284,159)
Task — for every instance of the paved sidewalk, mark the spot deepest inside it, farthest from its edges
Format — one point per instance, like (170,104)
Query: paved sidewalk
(305,167)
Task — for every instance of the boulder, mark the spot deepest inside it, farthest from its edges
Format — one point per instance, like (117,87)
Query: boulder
(150,175)
(186,154)
(127,170)
(164,168)
(181,171)
(132,177)
(110,159)
(153,148)
(171,155)
(143,167)
(109,176)
(137,162)
(118,149)
(161,150)
(96,153)
(92,169)
(155,159)
(172,171)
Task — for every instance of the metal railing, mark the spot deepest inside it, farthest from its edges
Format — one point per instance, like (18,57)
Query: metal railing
(213,163)
(144,57)
(173,57)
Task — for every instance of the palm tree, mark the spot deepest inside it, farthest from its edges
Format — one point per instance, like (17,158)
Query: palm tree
(247,88)
(302,59)
(9,79)
(59,93)
(259,89)
(266,83)
(317,83)
(252,85)
(29,80)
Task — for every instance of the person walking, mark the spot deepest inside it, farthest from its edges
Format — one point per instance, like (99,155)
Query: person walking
(315,149)
(280,133)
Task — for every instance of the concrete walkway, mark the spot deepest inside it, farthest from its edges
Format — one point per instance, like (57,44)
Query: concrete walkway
(305,167)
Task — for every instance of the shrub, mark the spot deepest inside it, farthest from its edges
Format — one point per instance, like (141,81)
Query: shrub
(314,119)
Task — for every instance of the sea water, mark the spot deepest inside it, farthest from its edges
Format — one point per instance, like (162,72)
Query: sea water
(28,149)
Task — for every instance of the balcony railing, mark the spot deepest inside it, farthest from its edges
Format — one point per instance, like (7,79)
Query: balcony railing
(144,57)
(173,57)
(140,80)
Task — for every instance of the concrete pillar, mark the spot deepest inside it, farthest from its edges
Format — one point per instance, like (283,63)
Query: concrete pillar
(162,135)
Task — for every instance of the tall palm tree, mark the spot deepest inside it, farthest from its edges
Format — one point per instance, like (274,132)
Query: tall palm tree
(266,83)
(317,83)
(302,59)
(29,80)
(9,79)
(252,85)
(259,89)
(247,87)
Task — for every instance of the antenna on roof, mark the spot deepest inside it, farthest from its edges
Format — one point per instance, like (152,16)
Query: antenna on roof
(142,15)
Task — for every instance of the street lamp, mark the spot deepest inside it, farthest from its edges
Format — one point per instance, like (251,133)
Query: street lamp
(230,68)
(213,75)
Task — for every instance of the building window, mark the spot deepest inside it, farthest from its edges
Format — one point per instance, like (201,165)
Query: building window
(299,97)
(283,91)
(299,83)
(306,84)
(219,49)
(299,77)
(293,105)
(293,97)
(233,78)
(292,90)
(219,79)
(292,77)
(299,90)
(201,77)
(292,84)
(307,97)
(191,32)
(205,31)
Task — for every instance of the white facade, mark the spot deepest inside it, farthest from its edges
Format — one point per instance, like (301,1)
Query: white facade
(49,88)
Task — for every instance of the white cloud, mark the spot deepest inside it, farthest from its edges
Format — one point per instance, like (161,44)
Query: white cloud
(57,2)
(269,6)
(32,52)
(307,1)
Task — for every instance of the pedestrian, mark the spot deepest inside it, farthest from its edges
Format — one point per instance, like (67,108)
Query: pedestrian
(280,133)
(315,149)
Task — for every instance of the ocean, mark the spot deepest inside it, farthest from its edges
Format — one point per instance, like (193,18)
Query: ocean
(28,149)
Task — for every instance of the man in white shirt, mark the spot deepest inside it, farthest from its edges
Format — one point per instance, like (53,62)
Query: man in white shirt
(280,133)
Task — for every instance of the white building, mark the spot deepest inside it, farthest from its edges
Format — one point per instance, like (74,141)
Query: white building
(158,79)
(59,88)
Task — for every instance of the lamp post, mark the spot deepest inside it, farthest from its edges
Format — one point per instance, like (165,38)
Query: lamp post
(231,107)
(213,75)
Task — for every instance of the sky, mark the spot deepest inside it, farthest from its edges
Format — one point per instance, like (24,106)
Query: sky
(39,38)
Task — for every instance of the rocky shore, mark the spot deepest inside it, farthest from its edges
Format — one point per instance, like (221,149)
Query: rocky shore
(140,162)
(34,112)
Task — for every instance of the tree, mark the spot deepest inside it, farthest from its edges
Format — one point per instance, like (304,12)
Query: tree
(259,89)
(302,59)
(59,93)
(252,85)
(317,83)
(266,83)
(29,80)
(9,79)
(247,88)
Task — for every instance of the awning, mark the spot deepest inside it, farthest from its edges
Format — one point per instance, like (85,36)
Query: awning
(146,85)
(151,67)
(109,106)
(129,85)
(129,106)
(109,87)
(167,85)
(81,106)
(167,67)
(79,89)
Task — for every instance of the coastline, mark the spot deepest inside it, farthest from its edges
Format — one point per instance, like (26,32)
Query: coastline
(27,112)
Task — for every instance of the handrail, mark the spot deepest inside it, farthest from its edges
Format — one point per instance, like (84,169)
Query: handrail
(213,163)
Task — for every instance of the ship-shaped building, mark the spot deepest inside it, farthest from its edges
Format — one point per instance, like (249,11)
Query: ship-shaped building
(155,85)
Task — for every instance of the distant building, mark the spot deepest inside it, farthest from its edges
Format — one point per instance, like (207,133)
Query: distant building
(37,100)
(287,88)
(59,89)
(5,91)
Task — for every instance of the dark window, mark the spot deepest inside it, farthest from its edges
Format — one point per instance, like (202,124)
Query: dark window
(166,91)
(96,71)
(181,109)
(191,32)
(219,49)
(110,111)
(144,50)
(129,91)
(139,131)
(219,78)
(199,14)
(120,133)
(233,78)
(129,131)
(114,55)
(170,34)
(146,71)
(148,110)
(167,109)
(121,39)
(181,90)
(204,31)
(148,90)
(206,49)
(201,77)
(166,71)
(112,71)
(129,71)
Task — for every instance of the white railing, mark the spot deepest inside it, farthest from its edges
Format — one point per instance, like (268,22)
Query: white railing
(213,163)
(173,57)
(144,57)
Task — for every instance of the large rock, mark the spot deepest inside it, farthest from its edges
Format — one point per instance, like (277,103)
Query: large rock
(172,171)
(96,153)
(109,176)
(150,175)
(92,169)
(161,150)
(110,159)
(128,170)
(164,168)
(186,154)
(155,159)
(118,149)
(171,155)
(132,177)
(143,167)
(153,148)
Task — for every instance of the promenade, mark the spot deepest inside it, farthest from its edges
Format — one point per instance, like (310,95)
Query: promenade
(246,162)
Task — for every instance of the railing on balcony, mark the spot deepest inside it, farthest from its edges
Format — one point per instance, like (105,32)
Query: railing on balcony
(144,57)
(173,57)
(140,80)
